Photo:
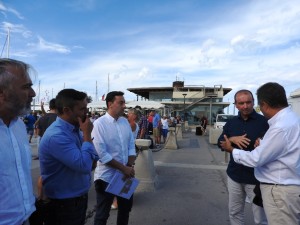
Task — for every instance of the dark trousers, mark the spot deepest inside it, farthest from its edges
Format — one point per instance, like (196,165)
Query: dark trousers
(104,201)
(71,211)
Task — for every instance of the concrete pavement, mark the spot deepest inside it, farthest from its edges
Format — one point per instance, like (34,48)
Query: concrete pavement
(192,187)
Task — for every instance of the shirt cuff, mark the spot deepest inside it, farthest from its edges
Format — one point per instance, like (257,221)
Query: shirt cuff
(105,159)
(89,147)
(236,155)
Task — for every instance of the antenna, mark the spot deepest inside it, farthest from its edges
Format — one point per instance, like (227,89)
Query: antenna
(39,91)
(96,91)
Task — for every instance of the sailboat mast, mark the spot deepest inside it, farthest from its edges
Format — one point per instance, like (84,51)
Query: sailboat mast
(108,83)
(8,41)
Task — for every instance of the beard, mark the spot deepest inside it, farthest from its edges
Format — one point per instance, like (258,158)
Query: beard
(16,106)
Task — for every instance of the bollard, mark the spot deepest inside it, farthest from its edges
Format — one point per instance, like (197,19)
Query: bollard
(171,139)
(144,167)
(186,126)
(214,135)
(178,131)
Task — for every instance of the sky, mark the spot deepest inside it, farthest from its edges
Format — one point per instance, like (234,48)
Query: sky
(239,44)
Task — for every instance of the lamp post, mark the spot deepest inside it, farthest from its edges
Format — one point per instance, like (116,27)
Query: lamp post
(184,106)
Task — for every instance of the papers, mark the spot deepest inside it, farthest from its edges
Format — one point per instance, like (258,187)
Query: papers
(122,187)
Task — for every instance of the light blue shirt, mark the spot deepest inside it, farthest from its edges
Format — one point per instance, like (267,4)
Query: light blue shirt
(277,158)
(65,161)
(113,139)
(16,192)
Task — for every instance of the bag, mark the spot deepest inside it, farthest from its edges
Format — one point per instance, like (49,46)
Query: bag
(257,200)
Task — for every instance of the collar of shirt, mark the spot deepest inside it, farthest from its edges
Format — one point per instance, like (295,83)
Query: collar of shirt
(67,125)
(110,118)
(252,115)
(12,121)
(278,116)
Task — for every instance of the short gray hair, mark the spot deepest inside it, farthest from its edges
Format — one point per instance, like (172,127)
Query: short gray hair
(6,78)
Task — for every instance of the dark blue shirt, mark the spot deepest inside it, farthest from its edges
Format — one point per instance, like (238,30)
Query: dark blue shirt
(66,161)
(255,127)
(29,121)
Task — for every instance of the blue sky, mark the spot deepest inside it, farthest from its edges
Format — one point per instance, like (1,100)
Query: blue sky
(74,43)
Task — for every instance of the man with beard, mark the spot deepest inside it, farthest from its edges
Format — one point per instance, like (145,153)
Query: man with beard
(114,142)
(16,192)
(66,158)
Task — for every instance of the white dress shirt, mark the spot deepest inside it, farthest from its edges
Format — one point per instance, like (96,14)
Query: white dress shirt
(113,139)
(16,192)
(277,158)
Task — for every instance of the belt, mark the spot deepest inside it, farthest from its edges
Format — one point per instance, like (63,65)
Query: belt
(85,196)
(276,184)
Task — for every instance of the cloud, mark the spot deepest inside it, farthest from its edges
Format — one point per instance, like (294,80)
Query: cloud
(43,45)
(249,43)
(16,29)
(143,73)
(4,9)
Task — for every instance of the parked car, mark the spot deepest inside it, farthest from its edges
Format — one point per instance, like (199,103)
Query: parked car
(221,120)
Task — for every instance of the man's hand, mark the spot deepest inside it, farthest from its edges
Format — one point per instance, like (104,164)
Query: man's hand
(86,127)
(257,142)
(241,141)
(128,171)
(226,144)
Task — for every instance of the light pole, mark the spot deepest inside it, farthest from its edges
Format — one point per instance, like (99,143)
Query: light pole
(184,106)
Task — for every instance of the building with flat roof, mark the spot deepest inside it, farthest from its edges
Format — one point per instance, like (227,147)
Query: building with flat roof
(191,102)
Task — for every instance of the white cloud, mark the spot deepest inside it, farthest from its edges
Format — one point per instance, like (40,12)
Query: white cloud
(10,10)
(16,29)
(253,44)
(43,45)
(143,73)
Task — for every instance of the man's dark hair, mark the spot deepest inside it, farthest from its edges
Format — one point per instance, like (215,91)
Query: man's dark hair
(243,91)
(110,97)
(68,98)
(273,94)
(52,104)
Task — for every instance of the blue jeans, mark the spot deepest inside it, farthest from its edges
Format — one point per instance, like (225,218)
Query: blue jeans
(104,201)
(70,211)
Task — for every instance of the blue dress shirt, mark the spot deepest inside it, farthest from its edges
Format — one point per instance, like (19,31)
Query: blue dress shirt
(255,127)
(66,161)
(16,192)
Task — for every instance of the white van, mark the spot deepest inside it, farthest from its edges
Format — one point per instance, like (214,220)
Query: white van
(221,120)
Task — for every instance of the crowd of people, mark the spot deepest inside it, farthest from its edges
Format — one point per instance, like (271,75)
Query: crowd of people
(264,154)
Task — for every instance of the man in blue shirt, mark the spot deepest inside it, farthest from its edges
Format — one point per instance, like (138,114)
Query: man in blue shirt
(30,120)
(243,130)
(66,158)
(156,127)
(16,192)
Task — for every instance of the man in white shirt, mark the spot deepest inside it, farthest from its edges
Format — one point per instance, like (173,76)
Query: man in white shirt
(114,143)
(277,158)
(16,192)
